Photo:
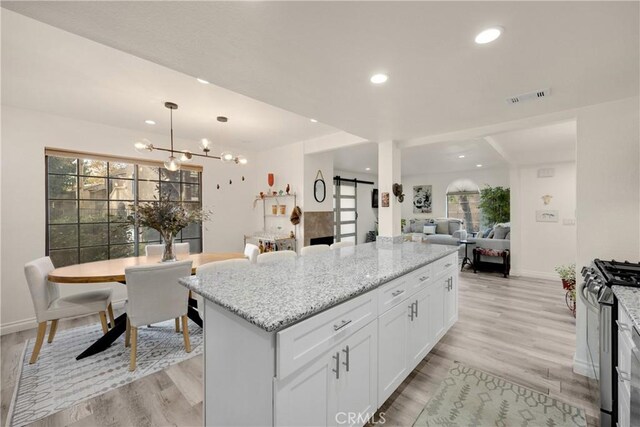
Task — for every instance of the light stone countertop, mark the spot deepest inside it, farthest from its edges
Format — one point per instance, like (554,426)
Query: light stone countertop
(274,296)
(629,299)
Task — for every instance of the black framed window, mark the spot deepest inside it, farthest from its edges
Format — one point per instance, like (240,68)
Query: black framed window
(88,201)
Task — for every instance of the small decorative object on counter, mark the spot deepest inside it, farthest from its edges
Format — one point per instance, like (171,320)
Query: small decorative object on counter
(567,274)
(293,236)
(288,189)
(271,179)
(283,209)
(280,193)
(261,247)
(274,209)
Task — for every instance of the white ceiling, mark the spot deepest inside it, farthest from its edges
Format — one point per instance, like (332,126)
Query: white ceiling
(315,58)
(50,70)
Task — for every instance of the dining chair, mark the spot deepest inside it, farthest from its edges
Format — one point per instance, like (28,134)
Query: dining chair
(154,295)
(50,306)
(251,251)
(155,250)
(314,249)
(270,257)
(338,245)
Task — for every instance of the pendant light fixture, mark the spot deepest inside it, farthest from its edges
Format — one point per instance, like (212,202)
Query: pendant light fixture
(178,157)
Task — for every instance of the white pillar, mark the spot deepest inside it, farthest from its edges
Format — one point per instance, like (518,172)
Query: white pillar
(389,173)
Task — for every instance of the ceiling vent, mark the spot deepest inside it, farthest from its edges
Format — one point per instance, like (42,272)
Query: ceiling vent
(542,93)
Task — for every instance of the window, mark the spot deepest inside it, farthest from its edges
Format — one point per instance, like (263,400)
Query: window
(89,200)
(344,209)
(463,198)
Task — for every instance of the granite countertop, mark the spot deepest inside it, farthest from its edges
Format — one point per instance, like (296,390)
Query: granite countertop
(629,299)
(274,296)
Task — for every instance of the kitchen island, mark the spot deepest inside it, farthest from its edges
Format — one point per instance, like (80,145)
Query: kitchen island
(323,339)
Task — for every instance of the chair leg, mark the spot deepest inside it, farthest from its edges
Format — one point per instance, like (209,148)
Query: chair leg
(127,335)
(134,348)
(42,329)
(177,324)
(103,320)
(52,330)
(185,334)
(112,318)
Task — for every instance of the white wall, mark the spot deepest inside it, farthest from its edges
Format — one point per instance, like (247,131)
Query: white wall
(25,134)
(367,215)
(608,192)
(543,245)
(440,181)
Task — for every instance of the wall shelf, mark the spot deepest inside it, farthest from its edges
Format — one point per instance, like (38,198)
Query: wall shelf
(281,239)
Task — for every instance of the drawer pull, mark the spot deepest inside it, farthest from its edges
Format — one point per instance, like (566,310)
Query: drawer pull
(423,278)
(337,370)
(623,326)
(411,312)
(416,305)
(341,325)
(448,265)
(346,355)
(623,375)
(398,292)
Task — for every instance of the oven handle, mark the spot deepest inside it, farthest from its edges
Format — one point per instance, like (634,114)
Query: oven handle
(581,290)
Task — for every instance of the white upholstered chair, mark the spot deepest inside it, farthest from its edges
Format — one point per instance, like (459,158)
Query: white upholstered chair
(50,306)
(313,249)
(154,295)
(338,245)
(154,250)
(251,251)
(269,257)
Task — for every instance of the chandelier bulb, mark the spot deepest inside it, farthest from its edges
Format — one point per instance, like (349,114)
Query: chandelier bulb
(172,164)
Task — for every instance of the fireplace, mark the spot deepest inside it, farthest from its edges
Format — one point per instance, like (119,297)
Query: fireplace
(328,240)
(318,228)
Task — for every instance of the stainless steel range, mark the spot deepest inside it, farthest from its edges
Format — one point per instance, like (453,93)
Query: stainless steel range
(602,314)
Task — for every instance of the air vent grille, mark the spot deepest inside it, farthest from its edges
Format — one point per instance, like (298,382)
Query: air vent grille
(542,93)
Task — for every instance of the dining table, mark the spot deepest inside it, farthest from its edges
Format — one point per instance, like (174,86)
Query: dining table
(113,270)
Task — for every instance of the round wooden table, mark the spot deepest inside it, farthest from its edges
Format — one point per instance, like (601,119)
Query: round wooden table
(113,271)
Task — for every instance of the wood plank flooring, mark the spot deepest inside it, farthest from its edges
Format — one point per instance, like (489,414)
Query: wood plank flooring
(516,328)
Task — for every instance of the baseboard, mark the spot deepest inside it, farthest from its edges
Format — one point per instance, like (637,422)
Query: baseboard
(583,367)
(31,323)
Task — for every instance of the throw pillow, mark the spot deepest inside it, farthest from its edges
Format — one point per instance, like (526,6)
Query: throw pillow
(485,233)
(491,233)
(454,226)
(442,227)
(501,232)
(508,236)
(429,229)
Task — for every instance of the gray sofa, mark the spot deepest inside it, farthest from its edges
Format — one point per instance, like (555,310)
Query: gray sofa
(499,239)
(449,231)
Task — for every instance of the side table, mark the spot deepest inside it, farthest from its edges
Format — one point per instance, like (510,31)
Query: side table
(466,260)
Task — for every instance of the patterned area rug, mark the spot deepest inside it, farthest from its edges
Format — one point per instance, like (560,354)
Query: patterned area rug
(469,397)
(57,380)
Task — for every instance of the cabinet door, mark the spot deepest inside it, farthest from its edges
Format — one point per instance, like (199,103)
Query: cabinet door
(392,354)
(451,299)
(420,340)
(437,292)
(358,388)
(308,397)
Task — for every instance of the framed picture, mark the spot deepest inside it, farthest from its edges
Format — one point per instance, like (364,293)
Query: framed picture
(385,200)
(374,198)
(422,199)
(547,216)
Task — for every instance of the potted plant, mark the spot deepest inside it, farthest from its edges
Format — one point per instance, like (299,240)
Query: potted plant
(567,274)
(168,218)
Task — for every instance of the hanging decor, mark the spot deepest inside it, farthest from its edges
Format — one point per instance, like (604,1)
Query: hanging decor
(177,157)
(319,188)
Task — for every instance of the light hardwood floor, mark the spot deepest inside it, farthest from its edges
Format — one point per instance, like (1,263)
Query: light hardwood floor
(518,329)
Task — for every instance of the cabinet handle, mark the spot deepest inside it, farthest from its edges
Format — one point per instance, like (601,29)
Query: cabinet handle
(416,304)
(623,375)
(346,354)
(411,312)
(447,265)
(623,326)
(341,325)
(337,370)
(423,278)
(398,292)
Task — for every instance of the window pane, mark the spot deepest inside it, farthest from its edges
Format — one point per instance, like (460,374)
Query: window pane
(93,188)
(63,211)
(347,190)
(347,228)
(121,170)
(167,175)
(120,189)
(348,239)
(347,215)
(93,235)
(63,187)
(190,192)
(195,245)
(191,231)
(121,233)
(91,211)
(63,236)
(170,189)
(190,176)
(347,203)
(149,235)
(62,165)
(148,172)
(94,254)
(65,257)
(119,211)
(93,167)
(148,190)
(121,251)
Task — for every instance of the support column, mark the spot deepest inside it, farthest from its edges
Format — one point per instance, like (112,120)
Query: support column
(389,172)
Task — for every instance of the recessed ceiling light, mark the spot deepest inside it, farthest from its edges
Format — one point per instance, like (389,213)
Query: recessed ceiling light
(313,120)
(379,78)
(203,81)
(478,166)
(367,169)
(150,122)
(461,156)
(488,35)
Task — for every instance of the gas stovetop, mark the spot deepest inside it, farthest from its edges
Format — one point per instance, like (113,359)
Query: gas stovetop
(619,273)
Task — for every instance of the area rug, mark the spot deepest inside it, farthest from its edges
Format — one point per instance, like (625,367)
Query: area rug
(58,381)
(469,397)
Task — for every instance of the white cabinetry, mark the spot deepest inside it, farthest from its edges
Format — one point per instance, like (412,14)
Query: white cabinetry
(451,298)
(420,340)
(392,354)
